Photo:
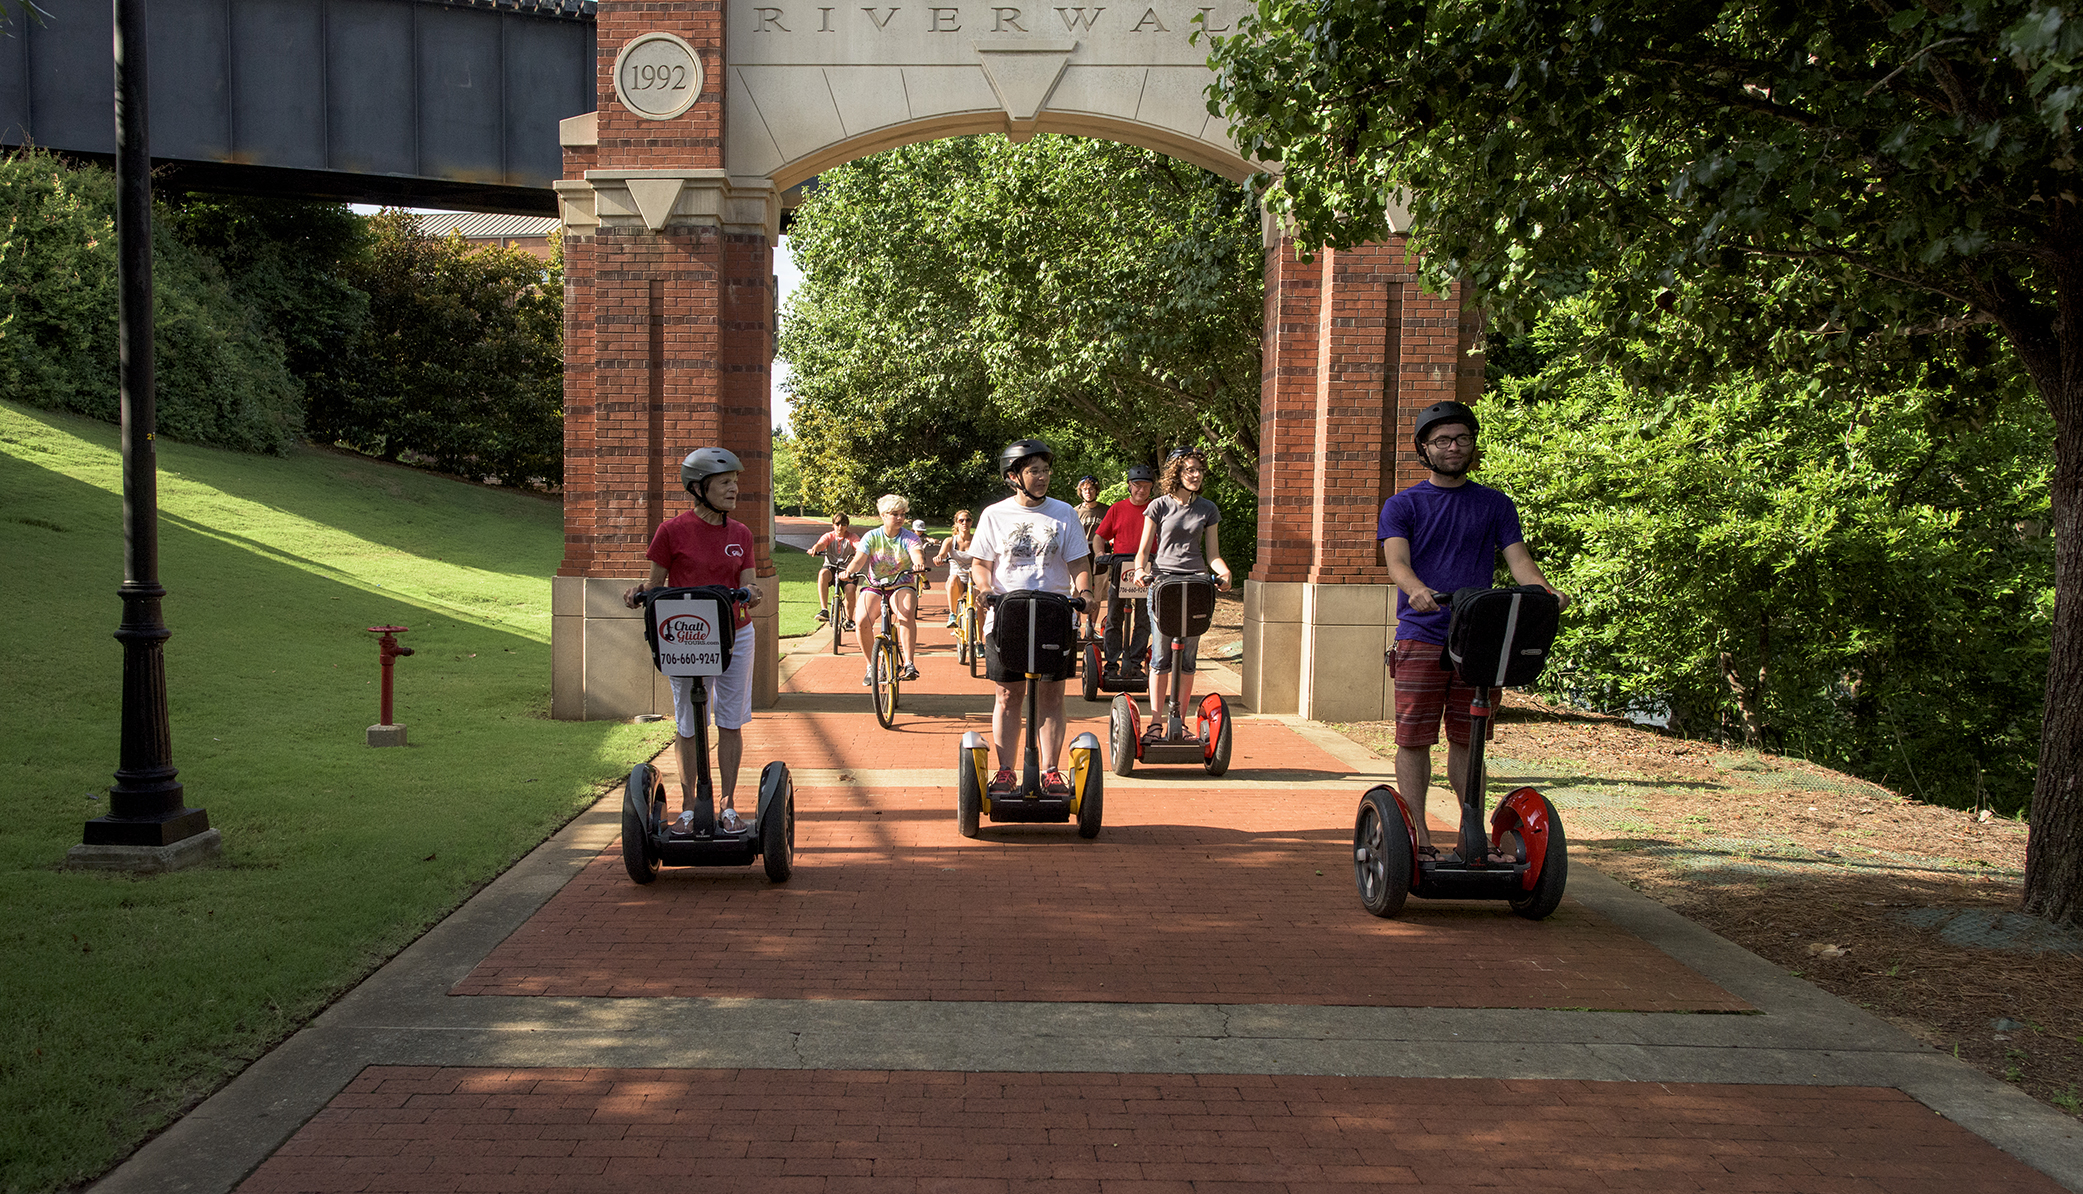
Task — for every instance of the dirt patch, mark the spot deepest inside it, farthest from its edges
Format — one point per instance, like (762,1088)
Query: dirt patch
(1903,908)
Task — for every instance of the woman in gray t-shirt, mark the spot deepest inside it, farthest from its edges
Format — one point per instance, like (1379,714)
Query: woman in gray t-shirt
(1179,538)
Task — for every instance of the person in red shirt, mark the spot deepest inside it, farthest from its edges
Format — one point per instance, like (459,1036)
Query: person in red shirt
(1121,532)
(706,546)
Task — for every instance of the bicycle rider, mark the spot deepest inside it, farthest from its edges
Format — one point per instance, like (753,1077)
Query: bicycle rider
(892,557)
(836,547)
(1179,540)
(954,552)
(1029,541)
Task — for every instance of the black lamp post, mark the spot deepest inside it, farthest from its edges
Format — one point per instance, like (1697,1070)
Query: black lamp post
(145,806)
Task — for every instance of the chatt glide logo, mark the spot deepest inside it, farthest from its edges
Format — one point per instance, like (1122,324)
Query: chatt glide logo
(686,628)
(735,551)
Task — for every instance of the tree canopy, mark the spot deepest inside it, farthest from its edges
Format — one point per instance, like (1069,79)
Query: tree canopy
(1867,190)
(959,293)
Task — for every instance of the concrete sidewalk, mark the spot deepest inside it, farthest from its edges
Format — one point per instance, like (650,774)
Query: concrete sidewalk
(1265,1029)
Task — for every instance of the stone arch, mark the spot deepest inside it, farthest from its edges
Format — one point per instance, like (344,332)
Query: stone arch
(670,224)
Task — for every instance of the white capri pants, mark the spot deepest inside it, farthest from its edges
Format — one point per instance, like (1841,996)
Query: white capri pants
(730,694)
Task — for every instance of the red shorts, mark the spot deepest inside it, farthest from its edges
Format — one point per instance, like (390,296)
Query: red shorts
(1425,691)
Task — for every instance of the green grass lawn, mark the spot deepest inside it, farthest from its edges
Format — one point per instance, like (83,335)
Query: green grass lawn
(124,1000)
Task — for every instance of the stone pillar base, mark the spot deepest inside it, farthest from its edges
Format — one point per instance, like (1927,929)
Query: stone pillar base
(147,860)
(386,735)
(600,669)
(1316,650)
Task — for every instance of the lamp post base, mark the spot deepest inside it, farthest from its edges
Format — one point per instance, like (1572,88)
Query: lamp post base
(146,860)
(383,735)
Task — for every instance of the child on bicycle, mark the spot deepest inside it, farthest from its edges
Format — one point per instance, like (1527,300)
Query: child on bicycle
(836,547)
(706,546)
(894,559)
(1179,539)
(1029,541)
(954,552)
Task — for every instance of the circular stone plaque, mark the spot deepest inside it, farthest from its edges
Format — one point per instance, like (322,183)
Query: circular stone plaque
(657,76)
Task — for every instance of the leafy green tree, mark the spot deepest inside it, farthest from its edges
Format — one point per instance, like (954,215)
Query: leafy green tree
(1866,585)
(465,352)
(292,263)
(1871,188)
(959,293)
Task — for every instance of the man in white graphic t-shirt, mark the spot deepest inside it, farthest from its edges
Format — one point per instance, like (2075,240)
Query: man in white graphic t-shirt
(1029,541)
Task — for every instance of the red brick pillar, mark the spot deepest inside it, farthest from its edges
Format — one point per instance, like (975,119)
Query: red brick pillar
(669,307)
(1354,348)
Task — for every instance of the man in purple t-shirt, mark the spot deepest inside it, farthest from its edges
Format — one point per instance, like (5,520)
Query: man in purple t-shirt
(1438,536)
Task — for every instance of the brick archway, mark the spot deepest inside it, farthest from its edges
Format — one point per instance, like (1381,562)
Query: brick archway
(669,308)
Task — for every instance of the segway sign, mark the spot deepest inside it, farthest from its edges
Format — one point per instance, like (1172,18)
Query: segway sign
(690,637)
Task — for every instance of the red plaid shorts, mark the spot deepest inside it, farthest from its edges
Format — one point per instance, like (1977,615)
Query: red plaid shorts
(1424,692)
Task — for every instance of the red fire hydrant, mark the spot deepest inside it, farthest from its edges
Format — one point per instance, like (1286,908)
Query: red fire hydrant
(384,733)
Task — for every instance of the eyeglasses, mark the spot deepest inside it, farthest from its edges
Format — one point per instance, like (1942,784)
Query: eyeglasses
(1451,441)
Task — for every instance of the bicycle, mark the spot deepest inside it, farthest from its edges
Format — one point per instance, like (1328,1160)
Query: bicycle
(844,590)
(886,659)
(969,638)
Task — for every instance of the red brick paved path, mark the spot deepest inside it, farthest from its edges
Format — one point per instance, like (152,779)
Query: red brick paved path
(1169,905)
(821,1132)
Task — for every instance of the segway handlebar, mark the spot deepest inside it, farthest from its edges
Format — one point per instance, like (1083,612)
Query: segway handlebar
(737,596)
(1076,602)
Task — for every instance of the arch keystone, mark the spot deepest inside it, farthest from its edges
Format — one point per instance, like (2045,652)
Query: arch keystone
(1023,71)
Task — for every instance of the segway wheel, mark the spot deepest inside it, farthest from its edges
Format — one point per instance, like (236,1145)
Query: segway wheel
(1092,804)
(643,792)
(1218,756)
(1546,895)
(1121,736)
(969,793)
(777,822)
(886,684)
(1381,853)
(1090,679)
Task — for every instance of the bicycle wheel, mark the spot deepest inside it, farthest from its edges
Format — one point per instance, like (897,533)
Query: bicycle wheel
(886,673)
(974,638)
(839,619)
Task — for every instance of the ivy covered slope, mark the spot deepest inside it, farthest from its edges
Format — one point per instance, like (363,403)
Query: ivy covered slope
(280,320)
(1884,195)
(959,293)
(223,379)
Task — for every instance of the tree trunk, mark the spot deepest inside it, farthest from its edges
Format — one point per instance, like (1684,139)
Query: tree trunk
(2054,851)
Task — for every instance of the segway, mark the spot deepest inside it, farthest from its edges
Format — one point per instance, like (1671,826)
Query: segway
(1039,629)
(1124,608)
(1185,607)
(690,631)
(1498,638)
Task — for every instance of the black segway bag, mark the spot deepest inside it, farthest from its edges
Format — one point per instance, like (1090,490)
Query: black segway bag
(1501,637)
(1185,605)
(696,617)
(1038,628)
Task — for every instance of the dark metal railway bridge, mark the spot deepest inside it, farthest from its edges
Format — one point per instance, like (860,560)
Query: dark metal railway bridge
(436,103)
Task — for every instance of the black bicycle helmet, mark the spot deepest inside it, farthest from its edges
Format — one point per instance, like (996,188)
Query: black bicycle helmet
(1141,472)
(1444,412)
(704,463)
(1017,452)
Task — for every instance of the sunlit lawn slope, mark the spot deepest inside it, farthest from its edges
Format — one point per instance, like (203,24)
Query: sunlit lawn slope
(123,999)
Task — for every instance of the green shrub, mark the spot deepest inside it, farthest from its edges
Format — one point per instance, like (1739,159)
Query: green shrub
(222,378)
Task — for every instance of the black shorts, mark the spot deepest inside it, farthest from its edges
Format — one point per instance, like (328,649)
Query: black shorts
(995,670)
